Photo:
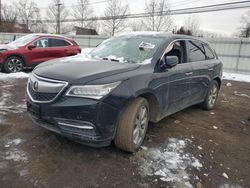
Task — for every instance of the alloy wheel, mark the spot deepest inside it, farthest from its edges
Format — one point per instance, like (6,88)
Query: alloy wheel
(140,126)
(15,65)
(212,95)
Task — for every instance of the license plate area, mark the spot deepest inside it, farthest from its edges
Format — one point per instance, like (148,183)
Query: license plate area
(34,109)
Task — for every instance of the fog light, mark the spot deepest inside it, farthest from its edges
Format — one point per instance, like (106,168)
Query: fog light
(75,124)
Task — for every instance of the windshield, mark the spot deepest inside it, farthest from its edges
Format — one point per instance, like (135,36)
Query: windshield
(132,49)
(23,40)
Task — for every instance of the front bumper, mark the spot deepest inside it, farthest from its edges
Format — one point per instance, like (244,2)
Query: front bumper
(86,121)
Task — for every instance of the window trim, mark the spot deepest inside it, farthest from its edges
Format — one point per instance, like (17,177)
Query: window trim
(184,50)
(51,37)
(38,40)
(202,43)
(70,44)
(184,39)
(212,51)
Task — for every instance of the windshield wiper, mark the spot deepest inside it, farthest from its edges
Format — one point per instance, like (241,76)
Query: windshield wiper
(111,59)
(117,60)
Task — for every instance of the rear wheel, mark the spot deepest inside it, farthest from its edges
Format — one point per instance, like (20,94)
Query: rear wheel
(211,96)
(132,125)
(13,64)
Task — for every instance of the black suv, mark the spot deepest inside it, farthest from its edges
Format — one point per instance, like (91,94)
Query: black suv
(113,92)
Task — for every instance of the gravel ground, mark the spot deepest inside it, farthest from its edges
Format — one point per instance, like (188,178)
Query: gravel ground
(192,148)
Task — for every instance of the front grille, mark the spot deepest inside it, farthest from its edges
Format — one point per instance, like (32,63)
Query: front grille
(41,96)
(44,90)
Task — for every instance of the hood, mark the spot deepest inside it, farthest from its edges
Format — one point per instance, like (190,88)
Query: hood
(7,47)
(80,70)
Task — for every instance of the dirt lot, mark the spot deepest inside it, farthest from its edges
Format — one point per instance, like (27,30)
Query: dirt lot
(193,148)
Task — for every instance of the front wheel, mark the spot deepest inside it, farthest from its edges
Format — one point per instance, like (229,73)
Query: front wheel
(211,96)
(132,125)
(13,64)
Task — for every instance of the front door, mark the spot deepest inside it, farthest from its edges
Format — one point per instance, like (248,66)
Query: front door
(175,82)
(40,53)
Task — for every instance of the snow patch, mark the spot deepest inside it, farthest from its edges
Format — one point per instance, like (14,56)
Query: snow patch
(8,105)
(146,61)
(225,175)
(86,50)
(236,77)
(6,76)
(241,94)
(15,142)
(215,127)
(170,162)
(230,186)
(16,155)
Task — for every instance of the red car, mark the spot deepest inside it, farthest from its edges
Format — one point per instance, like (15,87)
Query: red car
(32,49)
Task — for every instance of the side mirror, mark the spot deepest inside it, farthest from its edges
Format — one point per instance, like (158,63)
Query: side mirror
(171,61)
(30,47)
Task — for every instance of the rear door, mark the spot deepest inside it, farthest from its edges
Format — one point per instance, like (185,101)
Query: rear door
(59,48)
(202,70)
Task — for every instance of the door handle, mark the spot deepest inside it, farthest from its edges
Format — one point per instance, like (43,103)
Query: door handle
(210,69)
(188,73)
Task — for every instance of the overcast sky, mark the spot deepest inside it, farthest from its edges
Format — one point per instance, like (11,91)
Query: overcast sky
(224,22)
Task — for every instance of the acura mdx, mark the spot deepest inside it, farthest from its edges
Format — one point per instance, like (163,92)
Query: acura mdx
(112,93)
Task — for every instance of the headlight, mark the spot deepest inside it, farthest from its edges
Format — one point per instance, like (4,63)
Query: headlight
(92,91)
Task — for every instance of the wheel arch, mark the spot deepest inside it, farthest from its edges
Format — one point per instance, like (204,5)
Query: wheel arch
(16,55)
(153,106)
(218,80)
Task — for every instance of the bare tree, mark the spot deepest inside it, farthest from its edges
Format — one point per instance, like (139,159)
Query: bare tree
(83,11)
(116,12)
(159,18)
(192,24)
(245,28)
(136,25)
(9,13)
(28,12)
(57,10)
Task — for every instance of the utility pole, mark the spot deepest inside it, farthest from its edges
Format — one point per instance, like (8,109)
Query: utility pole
(59,17)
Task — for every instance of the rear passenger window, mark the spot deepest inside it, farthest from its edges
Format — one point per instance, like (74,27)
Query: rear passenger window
(196,51)
(209,53)
(58,43)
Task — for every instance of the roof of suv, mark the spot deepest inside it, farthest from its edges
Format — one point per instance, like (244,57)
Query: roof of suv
(163,34)
(50,35)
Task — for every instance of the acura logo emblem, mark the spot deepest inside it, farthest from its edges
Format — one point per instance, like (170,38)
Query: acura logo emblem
(35,85)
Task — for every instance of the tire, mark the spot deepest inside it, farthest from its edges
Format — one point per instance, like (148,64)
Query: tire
(211,96)
(132,125)
(13,64)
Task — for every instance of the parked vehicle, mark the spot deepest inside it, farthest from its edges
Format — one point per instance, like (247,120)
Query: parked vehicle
(121,85)
(32,49)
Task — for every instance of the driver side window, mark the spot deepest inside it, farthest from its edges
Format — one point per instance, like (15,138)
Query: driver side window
(177,49)
(42,43)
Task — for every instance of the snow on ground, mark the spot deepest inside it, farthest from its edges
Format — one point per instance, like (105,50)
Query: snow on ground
(8,105)
(6,76)
(12,152)
(236,77)
(230,186)
(170,162)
